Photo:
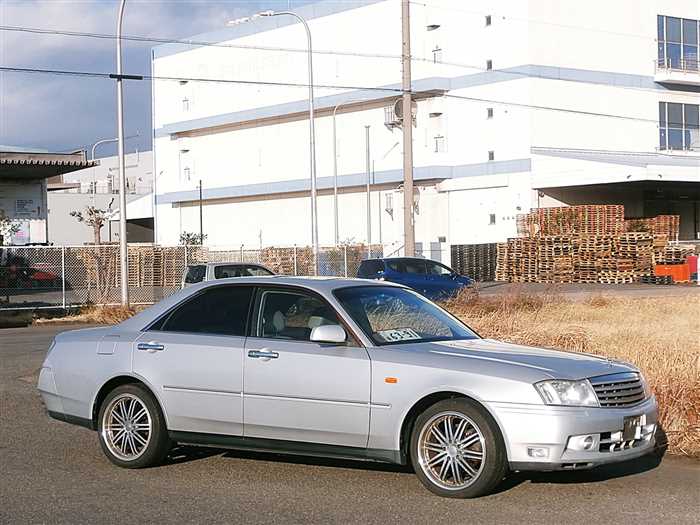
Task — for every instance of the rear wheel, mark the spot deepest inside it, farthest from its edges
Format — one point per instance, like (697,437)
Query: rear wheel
(132,428)
(457,450)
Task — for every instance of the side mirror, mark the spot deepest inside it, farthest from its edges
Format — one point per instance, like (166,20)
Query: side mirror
(329,333)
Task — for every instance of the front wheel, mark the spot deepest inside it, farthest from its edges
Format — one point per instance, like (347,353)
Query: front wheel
(132,428)
(457,450)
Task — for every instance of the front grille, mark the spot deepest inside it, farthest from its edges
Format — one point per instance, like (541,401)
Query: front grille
(618,390)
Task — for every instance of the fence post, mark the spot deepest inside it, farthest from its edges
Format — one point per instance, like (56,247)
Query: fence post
(345,259)
(295,260)
(186,261)
(63,275)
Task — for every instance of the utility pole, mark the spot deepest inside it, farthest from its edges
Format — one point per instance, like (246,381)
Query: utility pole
(409,234)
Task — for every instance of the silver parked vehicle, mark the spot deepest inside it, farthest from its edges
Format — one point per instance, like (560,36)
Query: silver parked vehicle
(198,273)
(345,368)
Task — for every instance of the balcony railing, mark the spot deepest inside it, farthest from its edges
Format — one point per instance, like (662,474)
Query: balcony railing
(685,65)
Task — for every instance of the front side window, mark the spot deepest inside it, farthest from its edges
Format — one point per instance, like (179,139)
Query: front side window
(292,315)
(391,315)
(239,270)
(678,126)
(435,268)
(257,271)
(221,310)
(195,274)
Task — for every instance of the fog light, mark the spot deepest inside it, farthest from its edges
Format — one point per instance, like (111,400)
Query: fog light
(584,443)
(538,452)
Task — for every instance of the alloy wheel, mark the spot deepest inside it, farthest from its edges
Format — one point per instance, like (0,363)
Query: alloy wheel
(451,450)
(127,427)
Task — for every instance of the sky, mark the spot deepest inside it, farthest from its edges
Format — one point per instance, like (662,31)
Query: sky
(61,113)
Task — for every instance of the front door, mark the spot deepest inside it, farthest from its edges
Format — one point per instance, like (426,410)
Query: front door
(193,358)
(298,390)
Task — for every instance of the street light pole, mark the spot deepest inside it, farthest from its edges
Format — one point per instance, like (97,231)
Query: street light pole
(123,251)
(369,197)
(312,130)
(335,177)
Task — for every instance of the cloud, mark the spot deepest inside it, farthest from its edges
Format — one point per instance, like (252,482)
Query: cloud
(62,113)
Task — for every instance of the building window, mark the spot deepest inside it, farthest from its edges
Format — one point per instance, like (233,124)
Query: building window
(492,155)
(440,144)
(678,126)
(677,42)
(489,65)
(437,54)
(488,20)
(492,219)
(489,112)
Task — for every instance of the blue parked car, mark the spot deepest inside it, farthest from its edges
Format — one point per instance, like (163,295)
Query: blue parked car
(432,279)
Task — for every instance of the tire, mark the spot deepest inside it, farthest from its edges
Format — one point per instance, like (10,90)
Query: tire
(466,463)
(132,429)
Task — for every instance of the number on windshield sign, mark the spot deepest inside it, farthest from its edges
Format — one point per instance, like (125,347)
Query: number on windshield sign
(399,334)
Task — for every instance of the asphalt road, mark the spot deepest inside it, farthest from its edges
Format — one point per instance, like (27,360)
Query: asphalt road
(52,472)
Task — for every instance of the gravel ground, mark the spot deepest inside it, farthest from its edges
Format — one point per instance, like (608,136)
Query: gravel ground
(55,473)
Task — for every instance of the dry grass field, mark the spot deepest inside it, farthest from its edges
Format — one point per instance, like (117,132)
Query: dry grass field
(661,336)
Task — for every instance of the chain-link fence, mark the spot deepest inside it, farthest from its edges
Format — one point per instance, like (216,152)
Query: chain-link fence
(66,276)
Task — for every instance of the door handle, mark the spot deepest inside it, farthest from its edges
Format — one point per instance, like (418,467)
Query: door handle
(263,354)
(151,347)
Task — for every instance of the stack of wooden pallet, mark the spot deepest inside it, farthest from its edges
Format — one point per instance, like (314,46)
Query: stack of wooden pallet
(587,244)
(477,261)
(668,225)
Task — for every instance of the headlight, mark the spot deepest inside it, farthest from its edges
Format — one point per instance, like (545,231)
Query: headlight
(564,392)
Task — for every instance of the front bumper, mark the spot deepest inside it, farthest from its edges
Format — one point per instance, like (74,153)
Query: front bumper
(540,437)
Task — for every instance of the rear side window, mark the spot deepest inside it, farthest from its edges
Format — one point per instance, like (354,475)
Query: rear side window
(232,270)
(415,266)
(221,310)
(195,274)
(370,268)
(256,271)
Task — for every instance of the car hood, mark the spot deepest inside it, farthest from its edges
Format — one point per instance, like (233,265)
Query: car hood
(555,364)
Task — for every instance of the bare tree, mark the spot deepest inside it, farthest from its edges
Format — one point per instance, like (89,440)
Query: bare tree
(93,217)
(7,227)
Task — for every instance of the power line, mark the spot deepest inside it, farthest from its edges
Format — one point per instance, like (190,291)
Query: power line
(550,108)
(396,91)
(414,58)
(93,74)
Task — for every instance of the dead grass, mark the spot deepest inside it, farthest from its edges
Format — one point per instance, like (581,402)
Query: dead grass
(661,336)
(94,315)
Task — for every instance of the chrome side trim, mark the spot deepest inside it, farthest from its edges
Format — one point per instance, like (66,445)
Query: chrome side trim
(172,388)
(340,402)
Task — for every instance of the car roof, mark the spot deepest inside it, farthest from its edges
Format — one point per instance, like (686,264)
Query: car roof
(322,285)
(238,263)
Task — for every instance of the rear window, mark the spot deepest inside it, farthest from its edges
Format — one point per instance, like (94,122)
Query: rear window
(195,274)
(370,268)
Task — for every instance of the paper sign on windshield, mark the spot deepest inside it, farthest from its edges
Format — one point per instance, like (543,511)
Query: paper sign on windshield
(398,334)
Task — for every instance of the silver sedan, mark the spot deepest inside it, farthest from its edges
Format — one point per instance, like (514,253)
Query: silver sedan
(343,368)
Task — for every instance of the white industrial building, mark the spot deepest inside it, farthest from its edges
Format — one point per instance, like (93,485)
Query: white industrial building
(519,104)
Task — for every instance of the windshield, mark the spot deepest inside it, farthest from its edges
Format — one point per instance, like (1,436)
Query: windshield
(390,315)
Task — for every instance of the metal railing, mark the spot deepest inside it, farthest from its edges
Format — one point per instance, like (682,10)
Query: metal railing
(686,65)
(66,276)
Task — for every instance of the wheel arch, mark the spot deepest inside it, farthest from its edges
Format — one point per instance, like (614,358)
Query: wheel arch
(428,400)
(115,382)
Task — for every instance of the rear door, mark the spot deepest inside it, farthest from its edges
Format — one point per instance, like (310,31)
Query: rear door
(298,390)
(193,358)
